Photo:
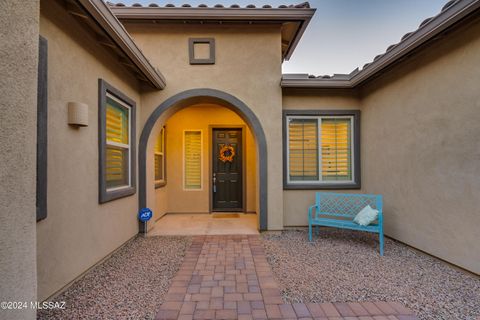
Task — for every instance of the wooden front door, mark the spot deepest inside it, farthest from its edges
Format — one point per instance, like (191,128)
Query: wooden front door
(227,170)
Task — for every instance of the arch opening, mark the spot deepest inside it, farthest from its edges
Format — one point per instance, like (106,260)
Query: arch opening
(197,97)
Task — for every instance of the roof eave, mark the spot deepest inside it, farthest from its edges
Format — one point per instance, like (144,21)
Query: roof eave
(180,13)
(316,84)
(299,34)
(102,14)
(301,15)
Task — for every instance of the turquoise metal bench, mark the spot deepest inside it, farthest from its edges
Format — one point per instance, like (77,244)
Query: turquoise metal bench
(338,210)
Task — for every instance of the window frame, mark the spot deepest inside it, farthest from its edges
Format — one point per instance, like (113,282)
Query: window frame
(191,50)
(355,183)
(108,194)
(184,159)
(163,182)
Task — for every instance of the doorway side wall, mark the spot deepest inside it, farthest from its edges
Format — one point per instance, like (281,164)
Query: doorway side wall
(19,21)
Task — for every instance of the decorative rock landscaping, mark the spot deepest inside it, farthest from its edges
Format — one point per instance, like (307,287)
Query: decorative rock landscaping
(344,266)
(131,284)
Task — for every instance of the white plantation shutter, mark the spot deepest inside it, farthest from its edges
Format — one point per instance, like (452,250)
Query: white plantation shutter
(117,122)
(160,156)
(336,149)
(319,148)
(193,160)
(303,147)
(116,167)
(117,144)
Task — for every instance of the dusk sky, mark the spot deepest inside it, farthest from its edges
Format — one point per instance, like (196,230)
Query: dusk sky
(343,34)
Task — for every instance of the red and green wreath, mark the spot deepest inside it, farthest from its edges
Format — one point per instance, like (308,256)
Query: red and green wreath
(227,152)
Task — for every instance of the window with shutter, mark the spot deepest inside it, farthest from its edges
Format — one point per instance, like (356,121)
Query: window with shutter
(116,144)
(336,149)
(320,149)
(160,159)
(303,147)
(192,160)
(118,147)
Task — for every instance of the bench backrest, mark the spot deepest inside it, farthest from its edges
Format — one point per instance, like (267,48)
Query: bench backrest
(346,205)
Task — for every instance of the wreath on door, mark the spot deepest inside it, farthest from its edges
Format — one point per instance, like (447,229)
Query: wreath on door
(227,152)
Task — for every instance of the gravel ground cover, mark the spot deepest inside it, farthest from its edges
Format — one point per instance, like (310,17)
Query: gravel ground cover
(130,284)
(345,266)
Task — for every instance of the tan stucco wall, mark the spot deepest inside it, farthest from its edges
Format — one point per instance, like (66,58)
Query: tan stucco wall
(296,202)
(78,231)
(18,109)
(248,66)
(325,99)
(201,117)
(420,146)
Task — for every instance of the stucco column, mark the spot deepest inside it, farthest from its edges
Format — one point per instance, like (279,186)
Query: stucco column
(19,22)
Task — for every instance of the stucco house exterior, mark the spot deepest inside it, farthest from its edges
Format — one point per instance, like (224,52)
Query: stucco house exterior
(110,108)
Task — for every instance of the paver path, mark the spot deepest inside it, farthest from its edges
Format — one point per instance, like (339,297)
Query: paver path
(228,277)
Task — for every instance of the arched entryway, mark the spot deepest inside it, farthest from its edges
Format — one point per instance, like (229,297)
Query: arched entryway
(186,98)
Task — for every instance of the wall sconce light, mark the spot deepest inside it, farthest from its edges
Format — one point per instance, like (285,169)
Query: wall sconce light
(77,114)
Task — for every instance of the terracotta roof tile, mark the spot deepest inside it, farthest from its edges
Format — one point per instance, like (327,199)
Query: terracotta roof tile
(302,5)
(407,35)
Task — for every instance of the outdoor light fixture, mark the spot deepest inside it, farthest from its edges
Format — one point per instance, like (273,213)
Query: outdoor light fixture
(77,114)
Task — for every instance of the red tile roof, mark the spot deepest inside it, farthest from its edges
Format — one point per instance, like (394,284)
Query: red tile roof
(302,5)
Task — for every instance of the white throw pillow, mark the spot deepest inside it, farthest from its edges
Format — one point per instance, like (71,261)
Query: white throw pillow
(366,216)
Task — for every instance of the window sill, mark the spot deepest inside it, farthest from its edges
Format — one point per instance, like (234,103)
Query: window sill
(160,184)
(106,196)
(331,186)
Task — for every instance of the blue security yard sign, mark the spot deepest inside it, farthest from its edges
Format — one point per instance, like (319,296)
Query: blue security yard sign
(145,214)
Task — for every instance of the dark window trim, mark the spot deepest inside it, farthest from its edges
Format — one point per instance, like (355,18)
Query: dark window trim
(356,184)
(42,125)
(191,50)
(104,195)
(163,183)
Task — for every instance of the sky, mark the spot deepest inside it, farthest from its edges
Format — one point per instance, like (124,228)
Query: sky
(343,34)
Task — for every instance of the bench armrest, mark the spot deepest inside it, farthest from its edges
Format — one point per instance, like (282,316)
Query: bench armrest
(311,211)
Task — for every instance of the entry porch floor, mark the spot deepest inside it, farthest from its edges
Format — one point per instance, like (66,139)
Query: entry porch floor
(218,223)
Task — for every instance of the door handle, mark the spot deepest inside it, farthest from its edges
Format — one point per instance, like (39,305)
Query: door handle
(214,182)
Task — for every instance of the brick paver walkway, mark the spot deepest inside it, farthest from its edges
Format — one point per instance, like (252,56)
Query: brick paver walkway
(228,277)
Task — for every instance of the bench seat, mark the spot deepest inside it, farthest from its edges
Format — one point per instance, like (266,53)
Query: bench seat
(344,224)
